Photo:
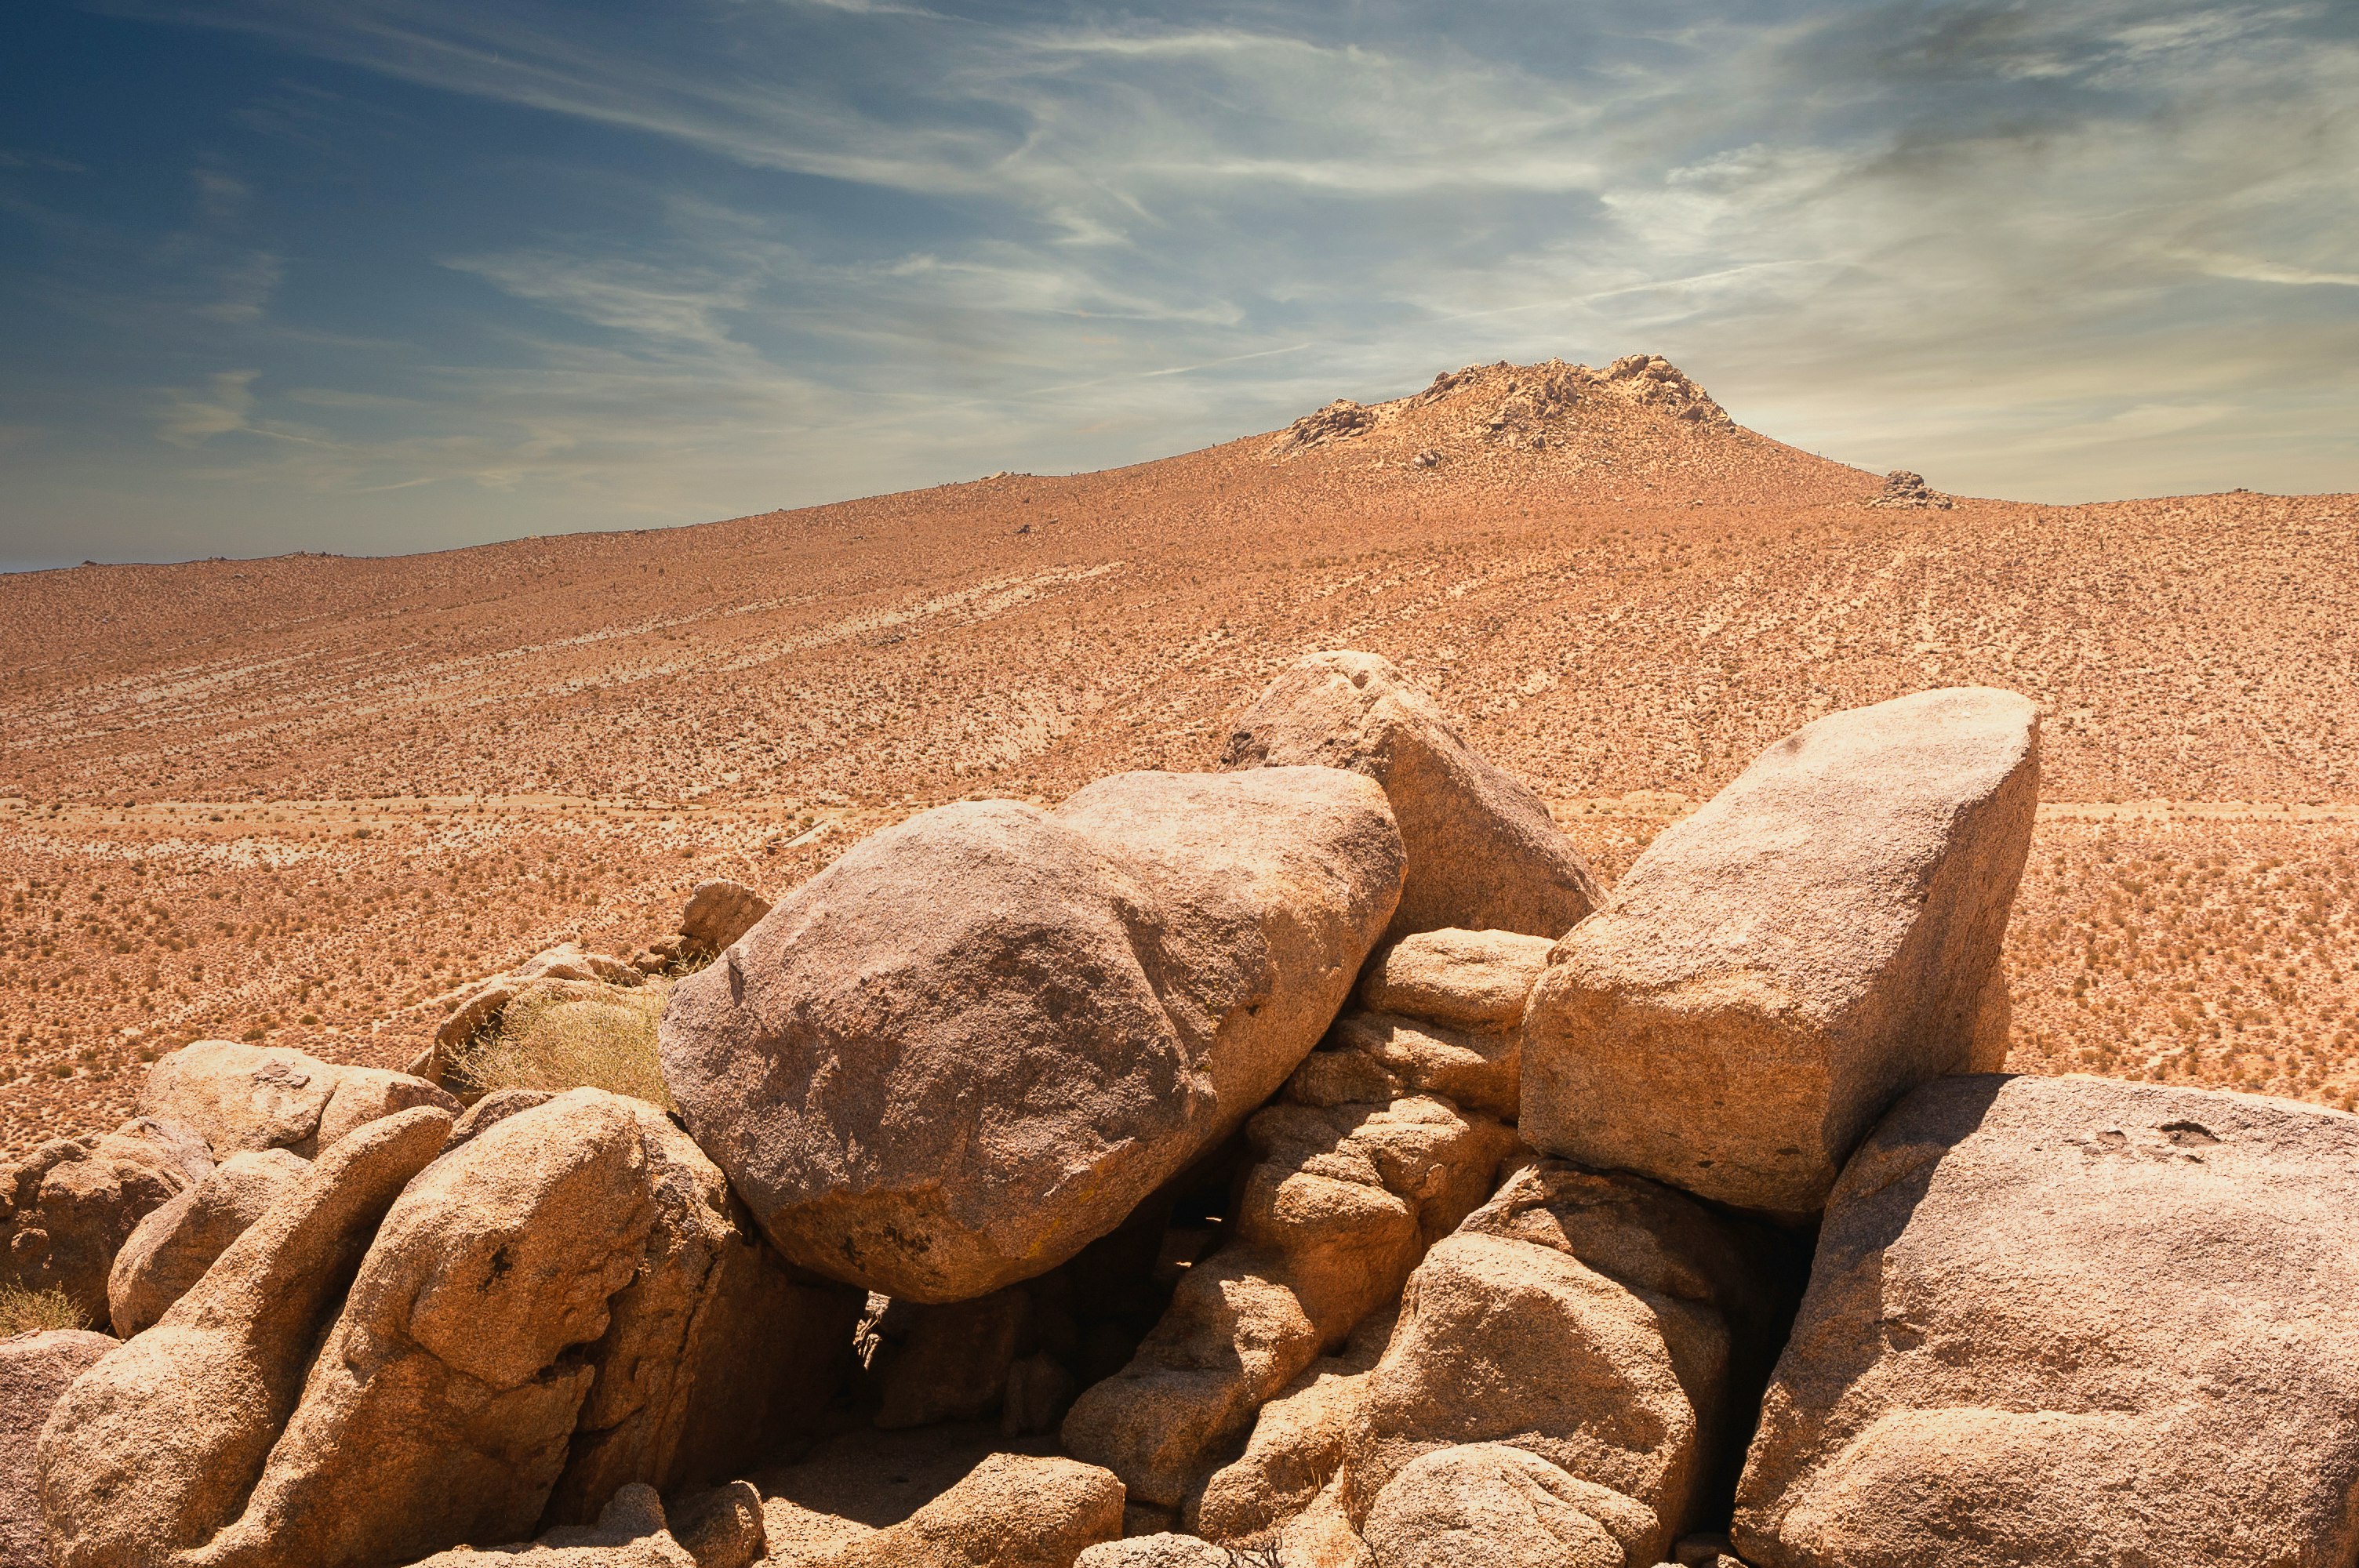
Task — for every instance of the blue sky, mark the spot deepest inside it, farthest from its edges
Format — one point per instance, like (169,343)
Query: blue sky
(394,275)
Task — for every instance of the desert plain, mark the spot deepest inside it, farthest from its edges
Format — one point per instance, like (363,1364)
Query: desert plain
(299,800)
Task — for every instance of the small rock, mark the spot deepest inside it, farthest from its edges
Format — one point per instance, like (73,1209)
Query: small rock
(1161,1550)
(721,1528)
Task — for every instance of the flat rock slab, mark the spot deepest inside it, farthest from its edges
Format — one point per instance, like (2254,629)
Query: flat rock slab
(2073,1322)
(1778,968)
(972,1044)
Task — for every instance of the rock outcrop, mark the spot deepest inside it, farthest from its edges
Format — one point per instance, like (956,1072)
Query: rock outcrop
(979,1039)
(1776,970)
(1482,852)
(2074,1321)
(568,1303)
(68,1208)
(35,1371)
(238,1097)
(1296,1447)
(1338,1210)
(152,1452)
(172,1247)
(1598,1322)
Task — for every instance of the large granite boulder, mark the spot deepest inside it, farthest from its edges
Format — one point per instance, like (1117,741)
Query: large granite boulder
(567,1303)
(173,1247)
(1778,967)
(238,1097)
(974,1043)
(67,1209)
(1338,1208)
(2076,1322)
(35,1371)
(1602,1323)
(1483,850)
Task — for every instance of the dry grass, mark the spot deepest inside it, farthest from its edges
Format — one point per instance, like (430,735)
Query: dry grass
(30,1311)
(555,1042)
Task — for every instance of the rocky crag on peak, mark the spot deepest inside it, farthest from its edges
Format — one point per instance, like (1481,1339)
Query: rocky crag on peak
(1493,409)
(1307,1162)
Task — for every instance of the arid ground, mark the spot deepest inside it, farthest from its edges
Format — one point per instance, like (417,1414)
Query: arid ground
(296,799)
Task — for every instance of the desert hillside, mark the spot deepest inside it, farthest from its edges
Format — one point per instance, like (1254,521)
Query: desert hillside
(294,799)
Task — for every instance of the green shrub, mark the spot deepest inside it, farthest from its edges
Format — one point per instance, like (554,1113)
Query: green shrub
(30,1312)
(553,1040)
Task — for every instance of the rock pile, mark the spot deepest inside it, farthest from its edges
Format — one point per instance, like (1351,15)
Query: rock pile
(1305,1163)
(1907,491)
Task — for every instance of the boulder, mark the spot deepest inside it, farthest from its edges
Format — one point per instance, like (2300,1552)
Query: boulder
(630,1533)
(980,1038)
(1600,1322)
(719,911)
(1342,1204)
(1487,1505)
(494,1108)
(1484,853)
(721,1528)
(1381,1056)
(1471,979)
(172,1247)
(1778,967)
(565,1304)
(67,1209)
(152,1452)
(2074,1321)
(238,1097)
(945,1497)
(35,1370)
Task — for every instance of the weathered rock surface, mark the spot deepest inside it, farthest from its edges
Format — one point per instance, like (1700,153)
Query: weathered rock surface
(1592,1321)
(1482,852)
(238,1097)
(630,1533)
(1487,1505)
(152,1452)
(1342,1204)
(1776,970)
(979,1039)
(1296,1447)
(567,1303)
(34,1369)
(937,1497)
(2073,1322)
(67,1209)
(172,1247)
(1165,1549)
(1472,979)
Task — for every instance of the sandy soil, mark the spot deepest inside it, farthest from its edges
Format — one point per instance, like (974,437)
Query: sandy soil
(297,797)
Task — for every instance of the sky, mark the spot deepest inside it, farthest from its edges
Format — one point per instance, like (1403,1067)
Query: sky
(386,276)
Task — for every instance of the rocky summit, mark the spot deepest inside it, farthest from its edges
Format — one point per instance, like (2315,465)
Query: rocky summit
(1314,1162)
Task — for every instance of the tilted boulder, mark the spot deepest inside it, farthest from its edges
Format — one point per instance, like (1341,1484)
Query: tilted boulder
(565,1304)
(152,1452)
(35,1371)
(1339,1208)
(2074,1321)
(978,1040)
(239,1097)
(1778,967)
(173,1247)
(67,1209)
(1482,852)
(1596,1322)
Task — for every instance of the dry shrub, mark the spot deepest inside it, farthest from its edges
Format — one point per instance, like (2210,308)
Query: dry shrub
(30,1311)
(553,1041)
